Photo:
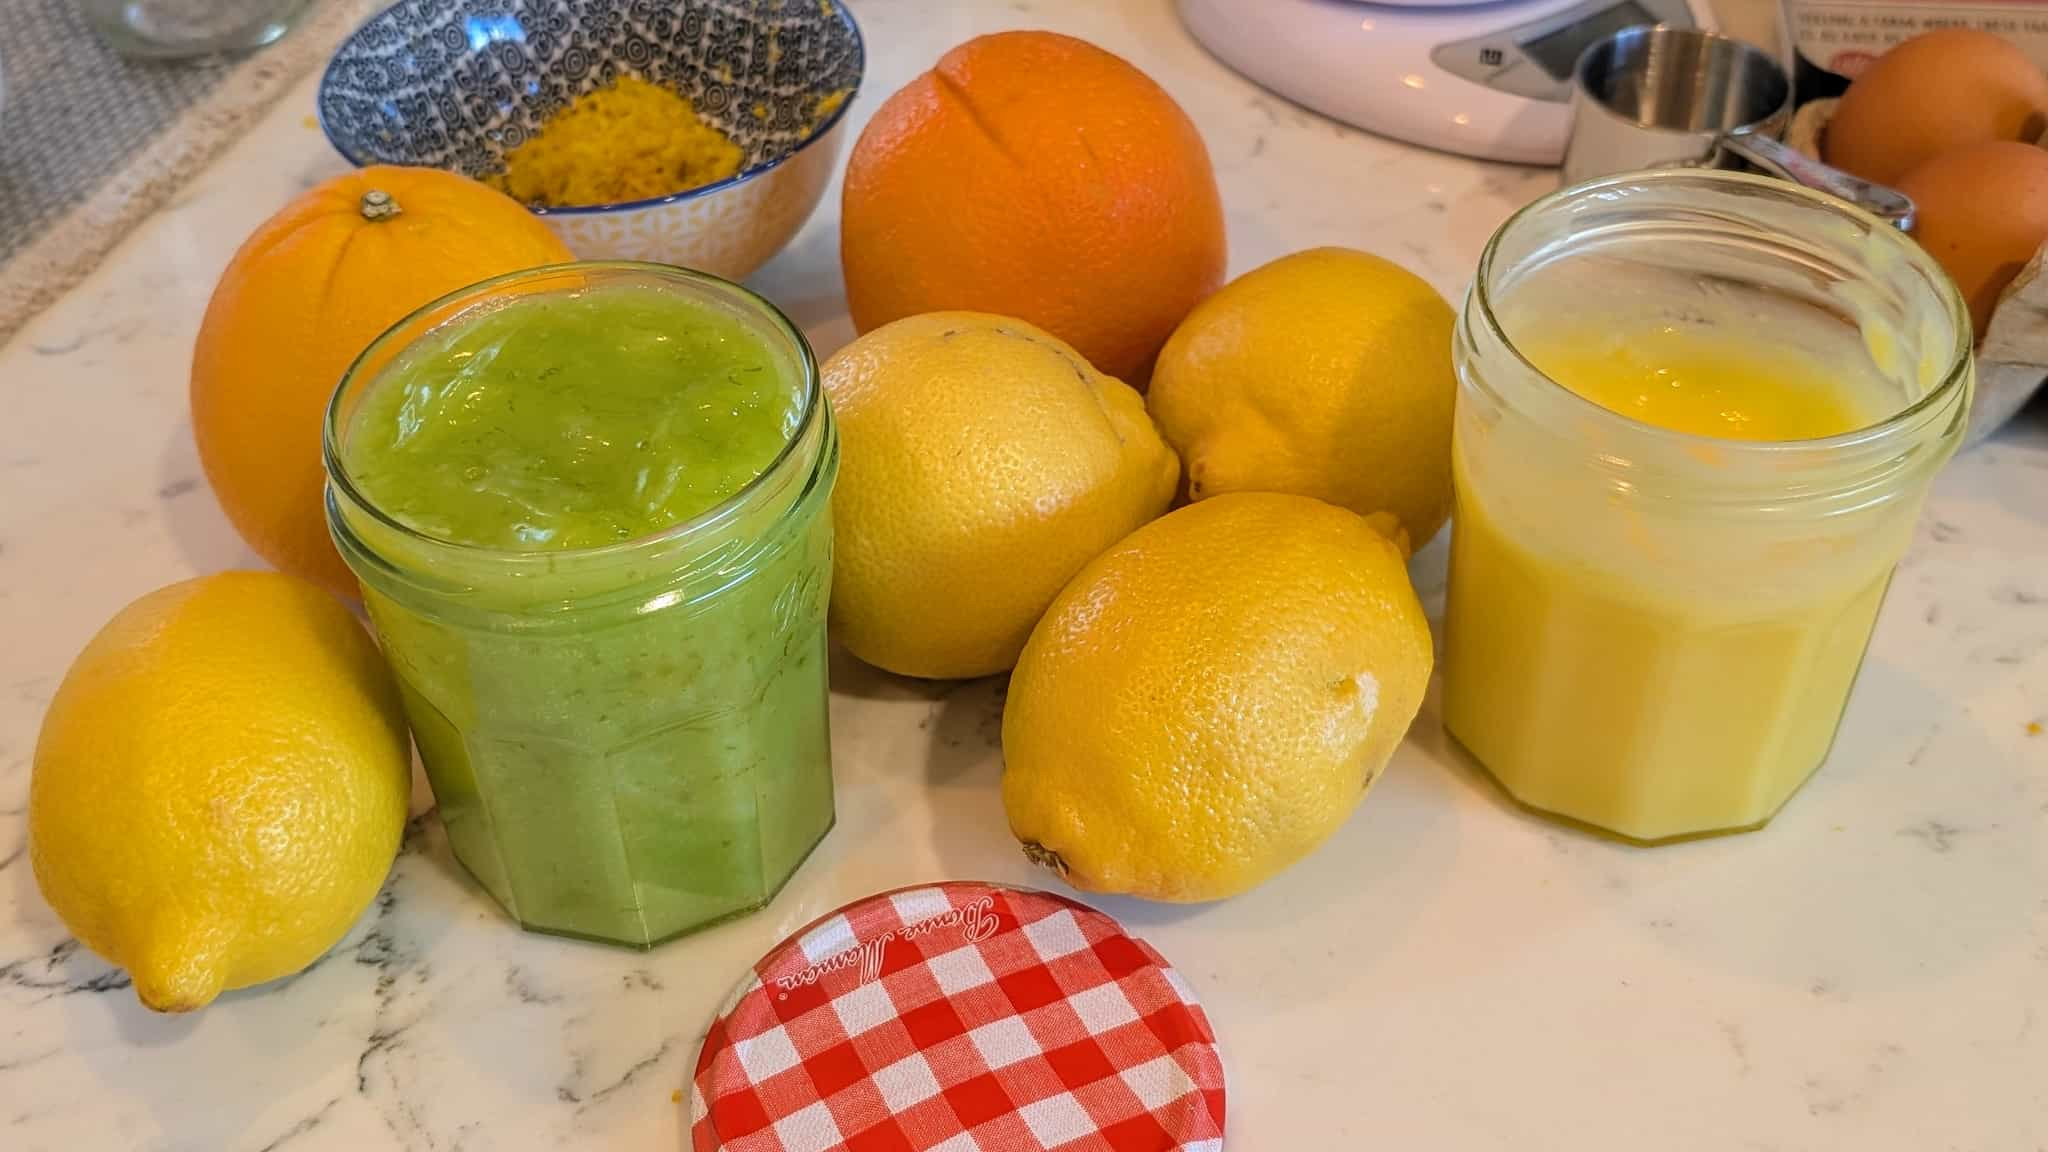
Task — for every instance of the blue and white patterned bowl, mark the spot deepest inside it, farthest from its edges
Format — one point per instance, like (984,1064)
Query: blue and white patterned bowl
(456,84)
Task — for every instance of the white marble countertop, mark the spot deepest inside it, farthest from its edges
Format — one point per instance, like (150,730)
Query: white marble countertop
(1868,973)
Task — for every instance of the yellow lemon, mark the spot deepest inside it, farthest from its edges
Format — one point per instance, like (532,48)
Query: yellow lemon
(982,462)
(220,785)
(1208,700)
(1326,373)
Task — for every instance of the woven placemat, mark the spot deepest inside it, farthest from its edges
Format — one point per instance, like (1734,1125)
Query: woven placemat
(92,143)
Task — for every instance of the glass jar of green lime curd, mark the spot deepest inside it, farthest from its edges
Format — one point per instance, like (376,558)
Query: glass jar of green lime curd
(588,508)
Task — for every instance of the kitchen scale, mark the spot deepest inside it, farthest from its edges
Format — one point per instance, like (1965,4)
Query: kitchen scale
(1485,80)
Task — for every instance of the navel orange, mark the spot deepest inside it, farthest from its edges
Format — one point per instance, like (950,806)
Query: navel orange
(1037,176)
(299,302)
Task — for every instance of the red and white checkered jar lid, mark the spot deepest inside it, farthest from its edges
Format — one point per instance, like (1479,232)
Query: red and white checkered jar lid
(960,1018)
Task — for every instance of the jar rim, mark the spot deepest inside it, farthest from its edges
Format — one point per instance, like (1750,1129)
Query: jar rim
(1856,441)
(460,302)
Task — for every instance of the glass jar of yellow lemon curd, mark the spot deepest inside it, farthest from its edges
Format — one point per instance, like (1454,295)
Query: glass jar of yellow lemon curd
(1697,414)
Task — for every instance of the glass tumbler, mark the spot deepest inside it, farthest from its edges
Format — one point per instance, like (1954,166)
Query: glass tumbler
(175,29)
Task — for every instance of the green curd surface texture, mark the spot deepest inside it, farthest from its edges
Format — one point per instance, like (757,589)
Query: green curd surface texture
(622,748)
(573,420)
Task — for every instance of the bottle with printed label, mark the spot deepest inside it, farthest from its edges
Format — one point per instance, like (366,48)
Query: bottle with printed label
(1836,39)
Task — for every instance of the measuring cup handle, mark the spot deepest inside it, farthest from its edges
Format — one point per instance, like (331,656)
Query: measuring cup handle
(1783,160)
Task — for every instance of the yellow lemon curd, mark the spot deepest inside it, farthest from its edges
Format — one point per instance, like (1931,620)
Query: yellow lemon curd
(1589,671)
(1688,380)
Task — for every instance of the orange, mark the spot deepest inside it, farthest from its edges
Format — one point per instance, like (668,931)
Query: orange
(299,301)
(1036,176)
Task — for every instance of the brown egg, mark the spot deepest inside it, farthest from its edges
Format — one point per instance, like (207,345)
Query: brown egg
(1937,91)
(1983,213)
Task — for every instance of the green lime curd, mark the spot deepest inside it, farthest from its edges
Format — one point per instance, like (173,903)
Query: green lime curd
(588,513)
(573,420)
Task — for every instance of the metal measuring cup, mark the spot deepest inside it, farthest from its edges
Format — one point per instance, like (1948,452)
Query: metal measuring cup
(1657,97)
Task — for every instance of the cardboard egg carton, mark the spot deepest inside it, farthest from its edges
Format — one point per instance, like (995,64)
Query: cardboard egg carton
(2012,358)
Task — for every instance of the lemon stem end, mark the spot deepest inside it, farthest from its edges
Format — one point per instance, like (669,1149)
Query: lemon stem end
(1045,857)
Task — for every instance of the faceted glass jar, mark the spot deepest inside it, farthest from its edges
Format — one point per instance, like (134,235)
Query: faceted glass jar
(625,742)
(1652,632)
